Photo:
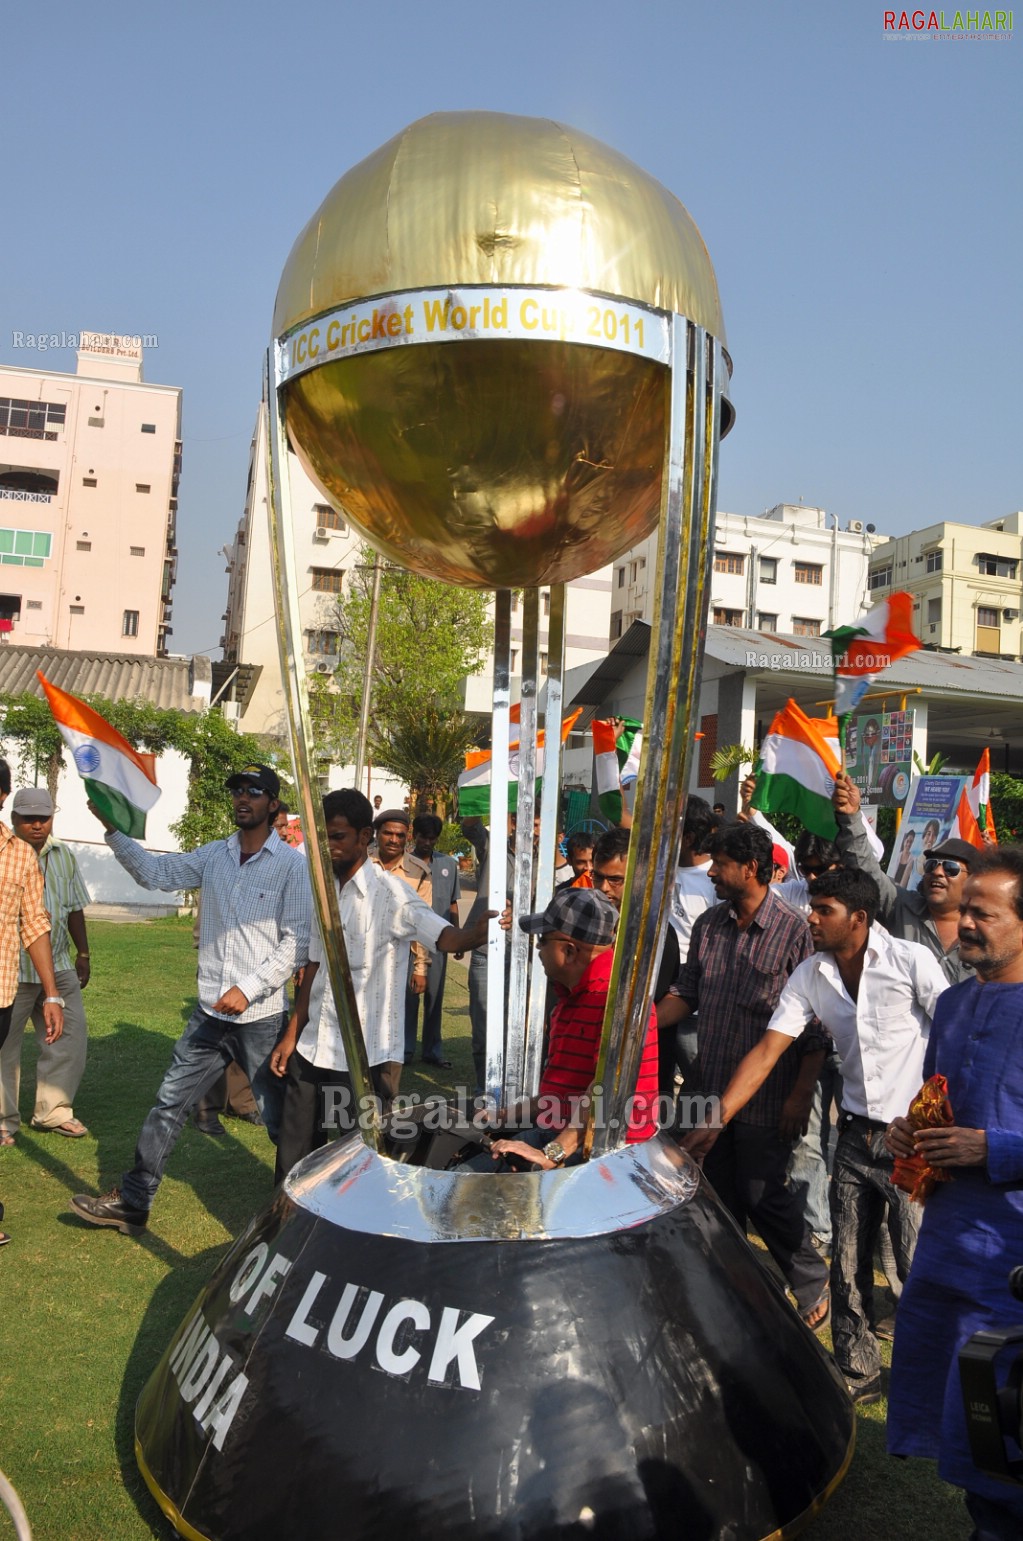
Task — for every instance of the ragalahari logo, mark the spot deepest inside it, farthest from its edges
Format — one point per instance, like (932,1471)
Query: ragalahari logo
(992,26)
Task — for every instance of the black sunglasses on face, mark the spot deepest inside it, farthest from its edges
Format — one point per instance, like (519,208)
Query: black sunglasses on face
(249,791)
(952,868)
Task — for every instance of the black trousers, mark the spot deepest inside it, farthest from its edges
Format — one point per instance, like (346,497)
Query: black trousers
(747,1166)
(319,1102)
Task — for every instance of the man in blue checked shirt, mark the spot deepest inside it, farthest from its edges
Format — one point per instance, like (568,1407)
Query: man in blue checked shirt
(254,933)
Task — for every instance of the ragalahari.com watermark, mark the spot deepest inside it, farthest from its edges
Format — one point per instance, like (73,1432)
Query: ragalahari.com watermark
(110,344)
(411,1112)
(950,26)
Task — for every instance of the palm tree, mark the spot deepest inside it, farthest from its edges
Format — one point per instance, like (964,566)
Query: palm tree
(425,749)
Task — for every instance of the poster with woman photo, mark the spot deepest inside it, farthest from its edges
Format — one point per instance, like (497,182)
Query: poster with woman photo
(929,812)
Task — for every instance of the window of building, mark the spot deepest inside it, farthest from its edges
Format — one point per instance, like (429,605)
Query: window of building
(329,518)
(633,571)
(723,617)
(24,548)
(88,481)
(95,422)
(10,607)
(545,602)
(616,625)
(766,621)
(83,545)
(77,609)
(542,663)
(996,566)
(31,419)
(729,562)
(137,550)
(987,615)
(148,427)
(880,578)
(513,660)
(933,561)
(143,487)
(808,572)
(769,569)
(934,613)
(328,642)
(327,580)
(129,623)
(803,626)
(621,577)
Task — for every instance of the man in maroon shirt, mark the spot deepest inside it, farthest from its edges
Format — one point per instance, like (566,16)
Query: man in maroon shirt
(575,935)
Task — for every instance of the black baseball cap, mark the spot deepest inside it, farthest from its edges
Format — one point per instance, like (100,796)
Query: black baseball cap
(581,913)
(259,775)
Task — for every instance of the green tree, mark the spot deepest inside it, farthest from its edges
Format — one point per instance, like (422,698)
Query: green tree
(430,635)
(425,749)
(1007,806)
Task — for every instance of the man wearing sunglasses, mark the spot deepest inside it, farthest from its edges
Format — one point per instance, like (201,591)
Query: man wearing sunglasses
(255,914)
(929,913)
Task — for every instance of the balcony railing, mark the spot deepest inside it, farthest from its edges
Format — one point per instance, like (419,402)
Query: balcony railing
(18,496)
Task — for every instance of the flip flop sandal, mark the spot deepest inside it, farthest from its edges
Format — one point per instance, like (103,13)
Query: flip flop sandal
(6,1139)
(74,1129)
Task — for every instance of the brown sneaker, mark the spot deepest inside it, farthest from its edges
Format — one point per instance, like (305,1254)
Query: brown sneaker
(110,1209)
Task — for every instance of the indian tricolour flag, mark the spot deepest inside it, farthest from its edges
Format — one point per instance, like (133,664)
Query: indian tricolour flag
(979,797)
(797,768)
(872,644)
(120,781)
(474,782)
(615,761)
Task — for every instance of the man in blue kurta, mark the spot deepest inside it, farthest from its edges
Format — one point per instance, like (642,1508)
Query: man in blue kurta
(972,1231)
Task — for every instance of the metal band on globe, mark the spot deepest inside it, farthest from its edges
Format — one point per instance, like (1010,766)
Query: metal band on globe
(473,314)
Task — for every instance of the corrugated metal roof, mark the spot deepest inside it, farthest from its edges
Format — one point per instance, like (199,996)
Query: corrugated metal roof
(765,652)
(164,682)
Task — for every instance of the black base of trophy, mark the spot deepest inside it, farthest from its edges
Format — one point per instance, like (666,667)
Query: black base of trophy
(590,1352)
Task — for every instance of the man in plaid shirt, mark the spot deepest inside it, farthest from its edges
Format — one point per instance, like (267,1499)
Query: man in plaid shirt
(23,923)
(253,934)
(741,954)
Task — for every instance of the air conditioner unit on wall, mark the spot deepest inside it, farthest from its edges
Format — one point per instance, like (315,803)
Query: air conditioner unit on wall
(855,526)
(324,668)
(1010,615)
(321,532)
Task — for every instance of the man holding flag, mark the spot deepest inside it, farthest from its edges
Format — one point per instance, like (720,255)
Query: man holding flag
(255,916)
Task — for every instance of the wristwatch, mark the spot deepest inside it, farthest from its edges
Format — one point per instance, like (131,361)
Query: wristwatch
(54,1000)
(556,1153)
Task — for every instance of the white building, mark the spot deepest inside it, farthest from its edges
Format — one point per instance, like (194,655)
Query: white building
(789,570)
(89,469)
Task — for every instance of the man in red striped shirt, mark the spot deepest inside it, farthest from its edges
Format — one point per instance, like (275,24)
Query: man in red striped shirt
(575,935)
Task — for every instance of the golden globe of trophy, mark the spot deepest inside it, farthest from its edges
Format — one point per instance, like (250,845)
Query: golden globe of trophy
(498,349)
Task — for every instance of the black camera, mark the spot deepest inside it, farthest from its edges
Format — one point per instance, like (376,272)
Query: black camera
(994,1414)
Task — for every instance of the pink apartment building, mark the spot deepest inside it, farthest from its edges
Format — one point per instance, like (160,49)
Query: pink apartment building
(89,470)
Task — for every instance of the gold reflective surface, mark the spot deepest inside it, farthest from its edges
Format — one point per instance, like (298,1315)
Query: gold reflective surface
(487,198)
(497,464)
(500,463)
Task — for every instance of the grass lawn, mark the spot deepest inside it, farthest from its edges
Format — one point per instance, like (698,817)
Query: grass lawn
(86,1314)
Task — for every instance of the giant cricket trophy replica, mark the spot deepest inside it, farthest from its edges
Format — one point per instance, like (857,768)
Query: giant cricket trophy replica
(498,348)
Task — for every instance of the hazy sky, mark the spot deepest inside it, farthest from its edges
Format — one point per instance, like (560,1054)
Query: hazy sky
(860,196)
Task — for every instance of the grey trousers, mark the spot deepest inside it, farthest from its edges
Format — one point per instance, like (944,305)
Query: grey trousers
(61,1064)
(861,1187)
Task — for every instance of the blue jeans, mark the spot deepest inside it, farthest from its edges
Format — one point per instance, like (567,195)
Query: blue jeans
(808,1171)
(200,1054)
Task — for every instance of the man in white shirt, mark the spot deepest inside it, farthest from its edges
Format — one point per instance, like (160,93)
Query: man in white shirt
(253,934)
(380,917)
(876,995)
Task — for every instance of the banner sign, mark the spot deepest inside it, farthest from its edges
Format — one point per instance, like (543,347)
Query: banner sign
(879,756)
(474,313)
(929,812)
